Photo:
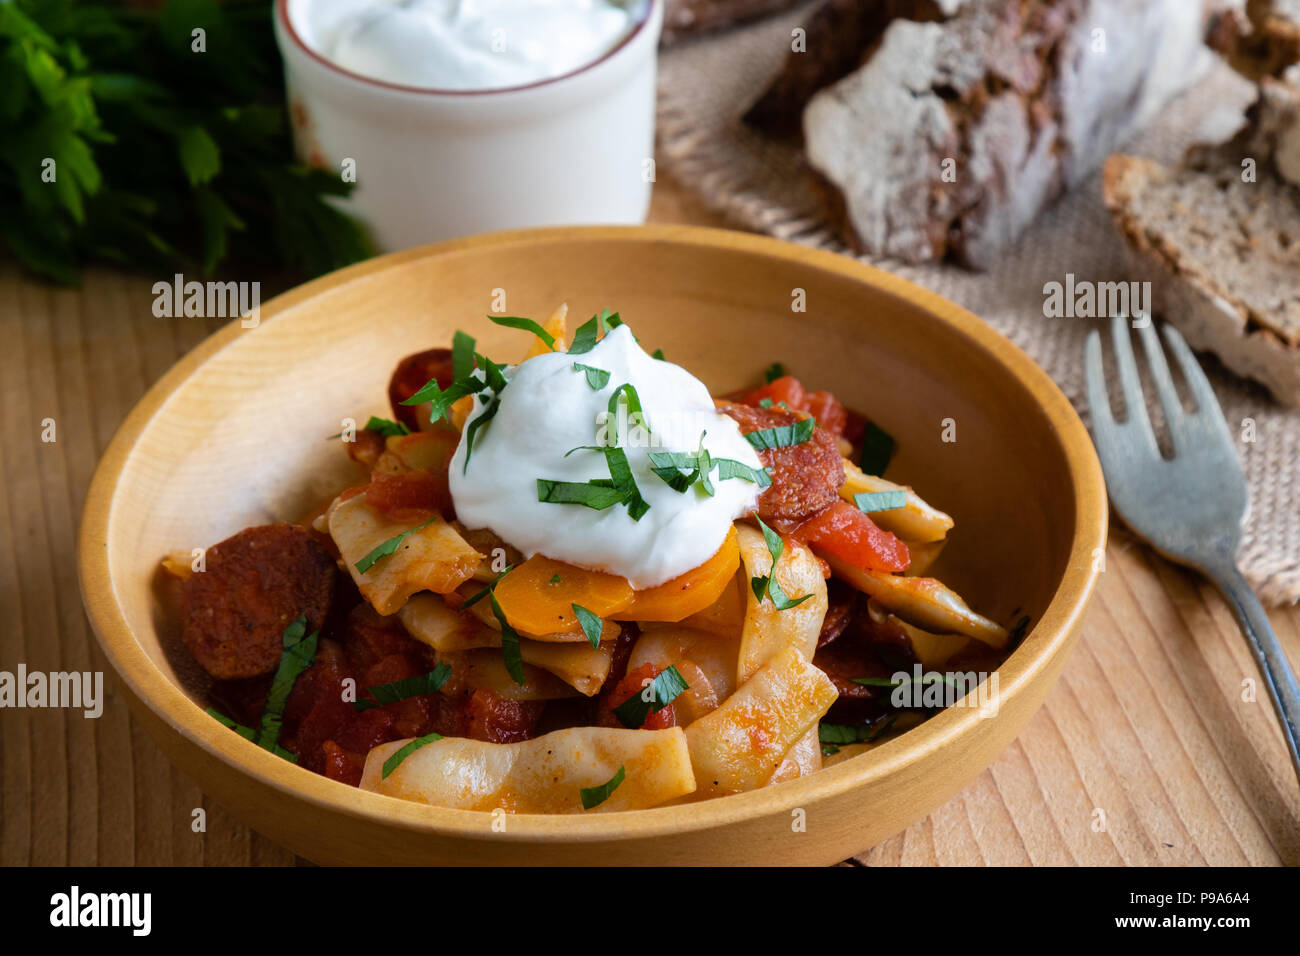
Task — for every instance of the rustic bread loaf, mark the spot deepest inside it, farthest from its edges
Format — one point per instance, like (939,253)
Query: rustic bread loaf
(1222,254)
(965,117)
(835,38)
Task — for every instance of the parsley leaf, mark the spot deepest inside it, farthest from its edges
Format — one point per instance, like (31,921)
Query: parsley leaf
(837,735)
(248,733)
(783,435)
(774,371)
(393,762)
(635,414)
(591,623)
(417,686)
(526,325)
(299,651)
(595,796)
(596,497)
(388,547)
(656,695)
(160,154)
(877,450)
(386,427)
(462,356)
(767,585)
(597,378)
(870,501)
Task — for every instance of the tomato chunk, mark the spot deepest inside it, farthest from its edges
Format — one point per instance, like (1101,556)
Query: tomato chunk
(830,412)
(411,375)
(632,684)
(409,495)
(847,533)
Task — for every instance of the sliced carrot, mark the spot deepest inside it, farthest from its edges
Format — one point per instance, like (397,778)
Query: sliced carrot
(538,596)
(687,593)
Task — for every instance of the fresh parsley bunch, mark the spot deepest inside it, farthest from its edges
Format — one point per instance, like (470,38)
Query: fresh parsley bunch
(121,141)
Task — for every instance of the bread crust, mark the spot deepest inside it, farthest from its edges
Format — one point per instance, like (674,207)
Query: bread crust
(1208,315)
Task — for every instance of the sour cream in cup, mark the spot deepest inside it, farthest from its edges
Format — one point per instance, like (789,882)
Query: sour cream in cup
(463,117)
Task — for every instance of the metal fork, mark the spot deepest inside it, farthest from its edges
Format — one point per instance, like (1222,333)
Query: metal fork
(1190,507)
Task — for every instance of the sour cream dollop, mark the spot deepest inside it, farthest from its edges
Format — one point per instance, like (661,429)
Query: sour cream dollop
(548,408)
(465,44)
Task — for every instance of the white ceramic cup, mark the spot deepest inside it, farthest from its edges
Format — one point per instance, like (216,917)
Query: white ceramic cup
(432,164)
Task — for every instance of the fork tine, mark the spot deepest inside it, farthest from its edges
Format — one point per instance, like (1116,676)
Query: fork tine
(1209,414)
(1135,406)
(1175,419)
(1095,382)
(1197,383)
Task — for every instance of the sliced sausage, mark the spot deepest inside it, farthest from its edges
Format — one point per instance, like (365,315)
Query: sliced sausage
(411,375)
(253,586)
(806,477)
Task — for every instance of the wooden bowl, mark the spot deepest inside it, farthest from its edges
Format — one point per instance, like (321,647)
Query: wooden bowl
(235,434)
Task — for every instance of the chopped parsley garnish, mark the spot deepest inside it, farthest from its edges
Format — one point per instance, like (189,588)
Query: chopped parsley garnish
(386,427)
(764,403)
(837,735)
(634,410)
(589,494)
(681,470)
(466,383)
(417,686)
(525,325)
(588,334)
(877,450)
(555,579)
(656,695)
(730,468)
(393,762)
(471,601)
(591,623)
(774,371)
(471,430)
(783,435)
(585,338)
(598,493)
(462,356)
(299,651)
(927,678)
(595,796)
(510,651)
(597,378)
(248,733)
(388,547)
(869,501)
(767,585)
(509,636)
(443,398)
(658,354)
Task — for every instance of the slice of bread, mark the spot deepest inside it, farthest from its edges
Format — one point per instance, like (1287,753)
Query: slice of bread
(1222,255)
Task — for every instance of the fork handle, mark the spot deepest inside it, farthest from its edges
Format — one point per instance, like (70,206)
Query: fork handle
(1278,675)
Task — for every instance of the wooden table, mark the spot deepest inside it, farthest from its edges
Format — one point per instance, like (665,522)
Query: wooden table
(1145,753)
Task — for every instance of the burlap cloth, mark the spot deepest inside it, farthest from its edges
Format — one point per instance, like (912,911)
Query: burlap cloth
(705,84)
